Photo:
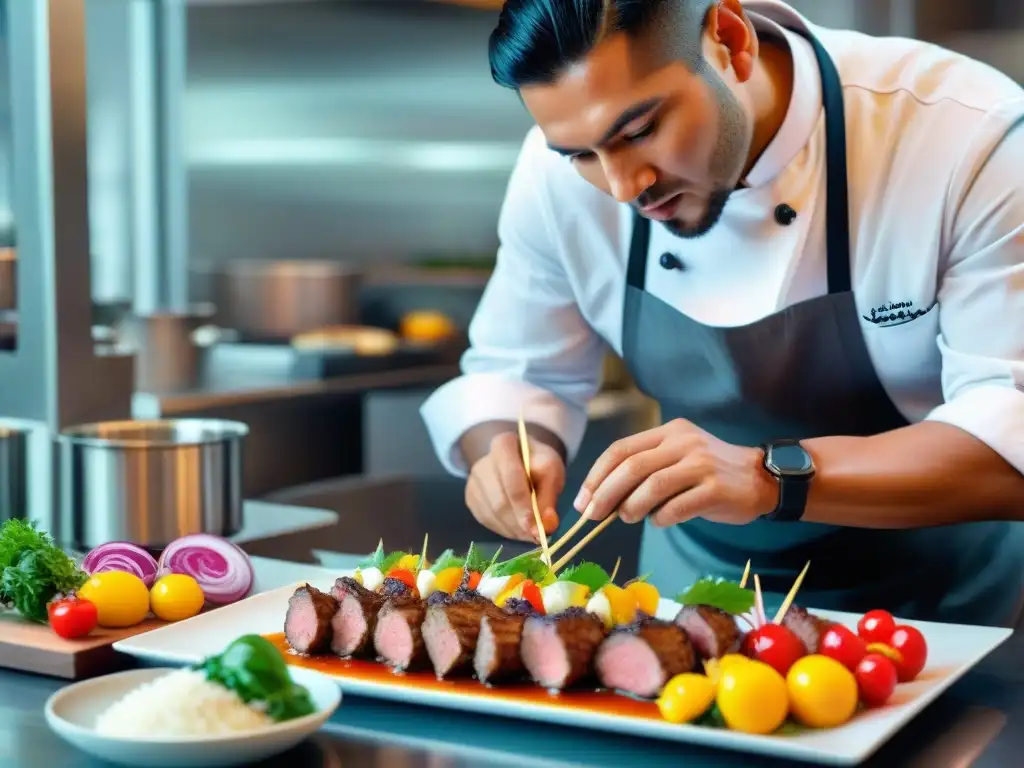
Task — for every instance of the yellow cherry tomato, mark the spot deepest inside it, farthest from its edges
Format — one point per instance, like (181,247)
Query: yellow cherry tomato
(752,698)
(623,604)
(448,580)
(121,599)
(646,596)
(686,697)
(175,597)
(822,692)
(408,562)
(714,668)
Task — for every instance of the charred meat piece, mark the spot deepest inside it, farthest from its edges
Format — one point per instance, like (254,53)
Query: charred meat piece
(307,624)
(712,631)
(439,598)
(642,657)
(353,622)
(806,626)
(519,606)
(395,588)
(397,638)
(497,647)
(559,650)
(450,632)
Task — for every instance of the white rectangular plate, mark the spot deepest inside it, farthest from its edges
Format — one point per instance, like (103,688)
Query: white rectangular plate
(953,650)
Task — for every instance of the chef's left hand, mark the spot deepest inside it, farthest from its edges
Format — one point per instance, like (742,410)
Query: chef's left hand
(677,472)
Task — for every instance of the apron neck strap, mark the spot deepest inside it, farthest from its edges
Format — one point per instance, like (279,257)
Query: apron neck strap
(837,221)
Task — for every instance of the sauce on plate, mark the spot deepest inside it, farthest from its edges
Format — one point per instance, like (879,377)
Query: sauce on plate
(598,702)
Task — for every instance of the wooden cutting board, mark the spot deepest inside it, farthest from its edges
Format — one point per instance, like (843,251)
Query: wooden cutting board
(37,649)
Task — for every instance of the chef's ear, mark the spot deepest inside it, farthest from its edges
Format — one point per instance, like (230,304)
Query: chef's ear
(732,36)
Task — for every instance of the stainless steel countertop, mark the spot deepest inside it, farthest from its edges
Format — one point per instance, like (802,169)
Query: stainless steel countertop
(979,722)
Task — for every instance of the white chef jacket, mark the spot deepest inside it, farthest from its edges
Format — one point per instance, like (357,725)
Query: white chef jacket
(935,156)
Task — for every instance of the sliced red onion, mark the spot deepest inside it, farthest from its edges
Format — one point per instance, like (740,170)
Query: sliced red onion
(122,556)
(223,570)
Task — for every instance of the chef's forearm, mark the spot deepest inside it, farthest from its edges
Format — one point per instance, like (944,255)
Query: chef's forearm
(926,474)
(476,442)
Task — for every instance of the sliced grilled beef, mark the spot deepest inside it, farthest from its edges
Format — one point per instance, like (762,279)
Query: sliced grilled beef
(353,622)
(559,650)
(806,626)
(497,647)
(712,631)
(450,631)
(396,636)
(640,658)
(307,624)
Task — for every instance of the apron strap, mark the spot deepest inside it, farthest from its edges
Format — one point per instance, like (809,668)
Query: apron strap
(837,222)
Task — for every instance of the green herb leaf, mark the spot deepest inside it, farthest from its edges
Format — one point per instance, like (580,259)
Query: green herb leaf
(391,561)
(254,669)
(475,560)
(376,559)
(447,559)
(33,569)
(529,565)
(725,595)
(590,575)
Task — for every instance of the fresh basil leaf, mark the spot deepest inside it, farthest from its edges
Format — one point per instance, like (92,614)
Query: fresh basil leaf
(529,565)
(376,559)
(391,561)
(590,575)
(447,559)
(725,595)
(475,560)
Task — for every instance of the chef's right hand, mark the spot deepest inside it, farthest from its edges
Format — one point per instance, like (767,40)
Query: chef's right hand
(498,493)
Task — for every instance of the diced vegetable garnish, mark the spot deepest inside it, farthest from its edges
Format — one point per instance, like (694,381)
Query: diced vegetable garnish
(623,604)
(408,562)
(646,596)
(474,580)
(405,576)
(122,556)
(491,586)
(448,580)
(222,569)
(425,583)
(509,589)
(446,560)
(530,566)
(564,594)
(600,606)
(591,575)
(72,617)
(371,578)
(531,593)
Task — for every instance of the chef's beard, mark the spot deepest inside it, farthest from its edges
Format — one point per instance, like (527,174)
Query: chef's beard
(735,133)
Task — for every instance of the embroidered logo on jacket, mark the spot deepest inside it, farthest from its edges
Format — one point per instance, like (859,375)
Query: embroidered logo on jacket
(895,313)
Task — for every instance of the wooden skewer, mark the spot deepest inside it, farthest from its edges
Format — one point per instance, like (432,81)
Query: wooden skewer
(585,540)
(584,518)
(758,600)
(746,574)
(615,570)
(524,445)
(791,596)
(423,554)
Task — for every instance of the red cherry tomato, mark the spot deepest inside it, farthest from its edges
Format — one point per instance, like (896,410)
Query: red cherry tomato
(876,679)
(913,649)
(876,626)
(72,617)
(843,645)
(775,645)
(531,593)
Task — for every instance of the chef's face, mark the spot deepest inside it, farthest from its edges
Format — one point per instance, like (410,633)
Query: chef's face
(650,131)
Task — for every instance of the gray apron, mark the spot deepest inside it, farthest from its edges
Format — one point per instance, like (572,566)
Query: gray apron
(801,373)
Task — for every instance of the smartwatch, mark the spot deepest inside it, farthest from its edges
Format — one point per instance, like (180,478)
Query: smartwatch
(793,468)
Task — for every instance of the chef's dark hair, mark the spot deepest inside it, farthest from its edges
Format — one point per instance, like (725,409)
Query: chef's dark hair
(537,40)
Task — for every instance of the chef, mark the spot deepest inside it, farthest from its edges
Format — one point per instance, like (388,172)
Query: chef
(808,246)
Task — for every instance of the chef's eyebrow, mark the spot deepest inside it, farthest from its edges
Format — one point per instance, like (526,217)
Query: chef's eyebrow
(624,119)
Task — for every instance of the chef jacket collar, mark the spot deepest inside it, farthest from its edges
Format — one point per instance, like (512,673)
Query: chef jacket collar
(805,103)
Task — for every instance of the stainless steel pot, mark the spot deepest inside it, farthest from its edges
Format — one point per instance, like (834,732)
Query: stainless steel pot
(13,467)
(150,482)
(8,279)
(168,356)
(275,300)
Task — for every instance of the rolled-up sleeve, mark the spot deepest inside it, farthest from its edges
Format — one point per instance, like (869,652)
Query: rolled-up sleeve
(530,346)
(981,304)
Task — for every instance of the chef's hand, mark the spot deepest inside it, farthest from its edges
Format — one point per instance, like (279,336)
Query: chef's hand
(677,472)
(498,494)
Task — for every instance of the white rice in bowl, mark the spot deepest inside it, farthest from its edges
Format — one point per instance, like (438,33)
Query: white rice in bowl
(180,703)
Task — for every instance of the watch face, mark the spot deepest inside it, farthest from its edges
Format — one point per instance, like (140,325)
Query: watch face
(790,460)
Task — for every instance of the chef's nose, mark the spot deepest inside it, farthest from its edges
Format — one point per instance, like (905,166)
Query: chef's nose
(627,180)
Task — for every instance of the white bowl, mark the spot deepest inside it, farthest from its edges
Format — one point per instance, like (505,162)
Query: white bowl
(72,712)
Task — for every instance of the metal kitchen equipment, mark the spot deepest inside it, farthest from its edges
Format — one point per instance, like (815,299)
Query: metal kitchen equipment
(275,300)
(13,472)
(8,279)
(150,482)
(168,354)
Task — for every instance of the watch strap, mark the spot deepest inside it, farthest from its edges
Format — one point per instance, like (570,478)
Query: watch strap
(793,492)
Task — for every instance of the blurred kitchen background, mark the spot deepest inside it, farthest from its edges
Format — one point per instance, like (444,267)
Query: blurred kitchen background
(257,169)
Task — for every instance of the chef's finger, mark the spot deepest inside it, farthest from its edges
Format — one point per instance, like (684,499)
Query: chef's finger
(508,460)
(614,455)
(625,479)
(548,472)
(657,488)
(686,506)
(493,510)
